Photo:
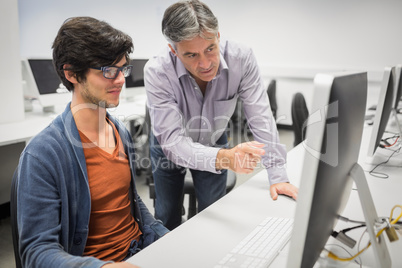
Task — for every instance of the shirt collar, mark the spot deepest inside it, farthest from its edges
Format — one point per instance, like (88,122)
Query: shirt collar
(180,69)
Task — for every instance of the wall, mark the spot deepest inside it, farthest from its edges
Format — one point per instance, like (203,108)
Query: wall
(11,107)
(41,19)
(292,39)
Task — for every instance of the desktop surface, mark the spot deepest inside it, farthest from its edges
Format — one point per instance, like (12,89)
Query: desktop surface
(204,239)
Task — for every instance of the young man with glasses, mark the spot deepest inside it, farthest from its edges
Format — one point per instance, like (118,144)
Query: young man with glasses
(192,90)
(77,201)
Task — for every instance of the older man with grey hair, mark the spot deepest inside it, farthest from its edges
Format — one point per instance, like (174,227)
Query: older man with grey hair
(192,90)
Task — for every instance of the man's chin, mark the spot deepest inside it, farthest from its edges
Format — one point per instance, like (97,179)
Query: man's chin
(207,77)
(104,104)
(112,105)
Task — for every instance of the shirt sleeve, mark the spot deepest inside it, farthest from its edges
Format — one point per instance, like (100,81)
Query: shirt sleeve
(261,121)
(167,124)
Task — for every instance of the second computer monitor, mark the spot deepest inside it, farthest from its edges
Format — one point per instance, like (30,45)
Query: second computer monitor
(135,81)
(41,82)
(136,78)
(398,86)
(385,105)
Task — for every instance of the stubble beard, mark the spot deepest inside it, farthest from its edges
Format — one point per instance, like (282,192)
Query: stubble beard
(90,98)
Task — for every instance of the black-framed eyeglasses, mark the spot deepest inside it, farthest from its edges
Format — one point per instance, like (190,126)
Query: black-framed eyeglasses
(111,72)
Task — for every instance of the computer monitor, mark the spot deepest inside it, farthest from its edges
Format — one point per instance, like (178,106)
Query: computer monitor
(41,82)
(387,105)
(398,86)
(136,79)
(334,129)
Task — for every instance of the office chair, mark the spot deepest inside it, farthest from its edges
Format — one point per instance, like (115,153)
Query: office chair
(140,135)
(238,117)
(299,117)
(189,189)
(140,129)
(13,219)
(271,91)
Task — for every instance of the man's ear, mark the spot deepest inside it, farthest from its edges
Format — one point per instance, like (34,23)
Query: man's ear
(172,49)
(70,75)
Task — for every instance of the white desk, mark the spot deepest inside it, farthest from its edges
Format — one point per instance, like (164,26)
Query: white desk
(37,120)
(203,240)
(14,136)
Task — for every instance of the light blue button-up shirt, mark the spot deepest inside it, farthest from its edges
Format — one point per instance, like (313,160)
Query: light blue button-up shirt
(187,123)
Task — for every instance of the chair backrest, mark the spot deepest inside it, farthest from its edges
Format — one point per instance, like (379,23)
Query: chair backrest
(299,117)
(147,131)
(271,91)
(13,218)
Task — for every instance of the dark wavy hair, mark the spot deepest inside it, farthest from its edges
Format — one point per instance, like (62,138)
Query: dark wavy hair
(84,42)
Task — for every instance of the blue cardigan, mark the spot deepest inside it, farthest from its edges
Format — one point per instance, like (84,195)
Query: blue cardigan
(54,202)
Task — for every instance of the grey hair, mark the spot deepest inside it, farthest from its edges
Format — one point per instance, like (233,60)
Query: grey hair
(185,20)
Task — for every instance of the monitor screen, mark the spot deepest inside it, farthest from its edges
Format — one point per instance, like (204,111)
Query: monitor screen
(334,129)
(383,111)
(45,75)
(136,79)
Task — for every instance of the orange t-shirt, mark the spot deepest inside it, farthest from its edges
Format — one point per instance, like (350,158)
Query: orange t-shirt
(111,225)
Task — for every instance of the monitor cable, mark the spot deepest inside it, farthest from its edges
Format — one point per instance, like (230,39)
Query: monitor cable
(389,226)
(344,238)
(358,262)
(386,146)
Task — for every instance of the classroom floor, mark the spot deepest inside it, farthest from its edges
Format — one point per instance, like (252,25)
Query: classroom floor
(6,246)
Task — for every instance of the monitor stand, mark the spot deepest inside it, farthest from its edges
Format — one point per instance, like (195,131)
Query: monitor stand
(48,109)
(380,249)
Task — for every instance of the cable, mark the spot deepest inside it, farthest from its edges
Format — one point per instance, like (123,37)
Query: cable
(392,221)
(354,227)
(388,144)
(360,242)
(395,221)
(336,245)
(383,175)
(349,220)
